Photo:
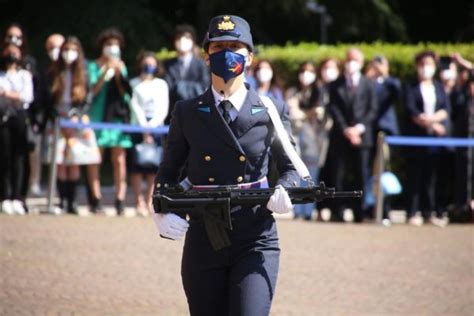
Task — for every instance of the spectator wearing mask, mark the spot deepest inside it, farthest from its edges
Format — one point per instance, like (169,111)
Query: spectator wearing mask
(328,71)
(67,92)
(15,35)
(149,107)
(353,106)
(267,82)
(426,105)
(305,116)
(16,93)
(53,46)
(388,90)
(187,75)
(448,75)
(111,91)
(463,126)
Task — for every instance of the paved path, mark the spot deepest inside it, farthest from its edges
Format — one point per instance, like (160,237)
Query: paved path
(68,265)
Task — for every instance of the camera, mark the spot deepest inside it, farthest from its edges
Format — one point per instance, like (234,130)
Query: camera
(444,62)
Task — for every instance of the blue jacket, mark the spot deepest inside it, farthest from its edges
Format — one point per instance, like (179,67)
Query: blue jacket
(414,106)
(218,154)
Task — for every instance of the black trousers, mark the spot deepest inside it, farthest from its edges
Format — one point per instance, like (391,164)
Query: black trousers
(237,280)
(422,171)
(13,157)
(349,171)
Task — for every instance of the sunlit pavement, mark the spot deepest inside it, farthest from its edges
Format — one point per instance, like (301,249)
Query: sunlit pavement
(98,265)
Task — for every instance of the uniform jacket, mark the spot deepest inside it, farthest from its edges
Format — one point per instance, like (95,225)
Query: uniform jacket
(414,106)
(348,110)
(190,85)
(218,154)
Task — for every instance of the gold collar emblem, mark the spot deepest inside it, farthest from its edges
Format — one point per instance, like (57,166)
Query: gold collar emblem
(226,24)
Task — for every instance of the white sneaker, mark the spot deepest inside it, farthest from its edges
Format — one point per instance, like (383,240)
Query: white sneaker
(440,222)
(386,222)
(325,214)
(18,207)
(35,190)
(415,221)
(110,212)
(129,212)
(348,215)
(7,207)
(55,210)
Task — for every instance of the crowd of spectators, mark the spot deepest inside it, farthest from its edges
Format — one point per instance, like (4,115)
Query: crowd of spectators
(337,108)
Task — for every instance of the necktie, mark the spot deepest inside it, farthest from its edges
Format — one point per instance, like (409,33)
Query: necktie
(226,107)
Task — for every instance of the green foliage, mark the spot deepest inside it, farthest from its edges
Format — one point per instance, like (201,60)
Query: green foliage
(400,56)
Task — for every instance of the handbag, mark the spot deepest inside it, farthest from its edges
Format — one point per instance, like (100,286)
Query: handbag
(148,154)
(79,149)
(82,149)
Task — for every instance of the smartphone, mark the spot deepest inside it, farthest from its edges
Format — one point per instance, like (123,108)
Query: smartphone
(444,62)
(378,59)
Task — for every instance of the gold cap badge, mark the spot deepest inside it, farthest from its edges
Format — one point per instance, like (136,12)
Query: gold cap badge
(226,24)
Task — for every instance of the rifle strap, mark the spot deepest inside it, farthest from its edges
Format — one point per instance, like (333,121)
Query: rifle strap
(284,139)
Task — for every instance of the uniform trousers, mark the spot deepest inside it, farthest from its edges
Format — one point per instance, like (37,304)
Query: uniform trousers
(239,279)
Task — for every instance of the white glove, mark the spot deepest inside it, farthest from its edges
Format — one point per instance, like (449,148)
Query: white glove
(280,201)
(170,225)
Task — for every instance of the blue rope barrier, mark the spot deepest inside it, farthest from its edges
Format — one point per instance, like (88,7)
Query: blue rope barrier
(429,141)
(117,126)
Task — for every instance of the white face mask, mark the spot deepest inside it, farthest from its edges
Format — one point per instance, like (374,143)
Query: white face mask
(330,74)
(111,51)
(264,75)
(426,72)
(15,40)
(352,67)
(448,74)
(185,44)
(70,56)
(54,53)
(307,77)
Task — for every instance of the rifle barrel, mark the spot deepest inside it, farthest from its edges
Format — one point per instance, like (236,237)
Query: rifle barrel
(341,194)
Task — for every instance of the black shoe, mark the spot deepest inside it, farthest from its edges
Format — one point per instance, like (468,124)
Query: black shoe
(119,206)
(95,206)
(72,207)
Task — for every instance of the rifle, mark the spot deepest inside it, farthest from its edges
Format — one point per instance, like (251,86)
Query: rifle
(214,204)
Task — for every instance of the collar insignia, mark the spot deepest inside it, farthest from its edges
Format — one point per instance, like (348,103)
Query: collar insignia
(226,24)
(254,110)
(205,109)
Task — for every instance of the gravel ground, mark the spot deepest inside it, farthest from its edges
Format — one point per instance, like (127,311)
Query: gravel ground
(68,265)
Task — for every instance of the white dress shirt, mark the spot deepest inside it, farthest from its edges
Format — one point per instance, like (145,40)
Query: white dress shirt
(237,99)
(428,93)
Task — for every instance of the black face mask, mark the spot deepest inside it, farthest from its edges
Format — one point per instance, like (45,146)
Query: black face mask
(10,59)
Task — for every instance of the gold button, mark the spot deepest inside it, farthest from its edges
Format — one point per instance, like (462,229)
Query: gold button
(158,185)
(211,180)
(240,179)
(242,158)
(207,158)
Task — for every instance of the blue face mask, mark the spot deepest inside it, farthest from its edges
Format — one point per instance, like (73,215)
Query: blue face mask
(149,69)
(227,64)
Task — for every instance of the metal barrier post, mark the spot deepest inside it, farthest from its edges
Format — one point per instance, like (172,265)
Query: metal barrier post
(53,167)
(379,167)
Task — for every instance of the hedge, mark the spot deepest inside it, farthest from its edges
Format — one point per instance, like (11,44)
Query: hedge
(287,58)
